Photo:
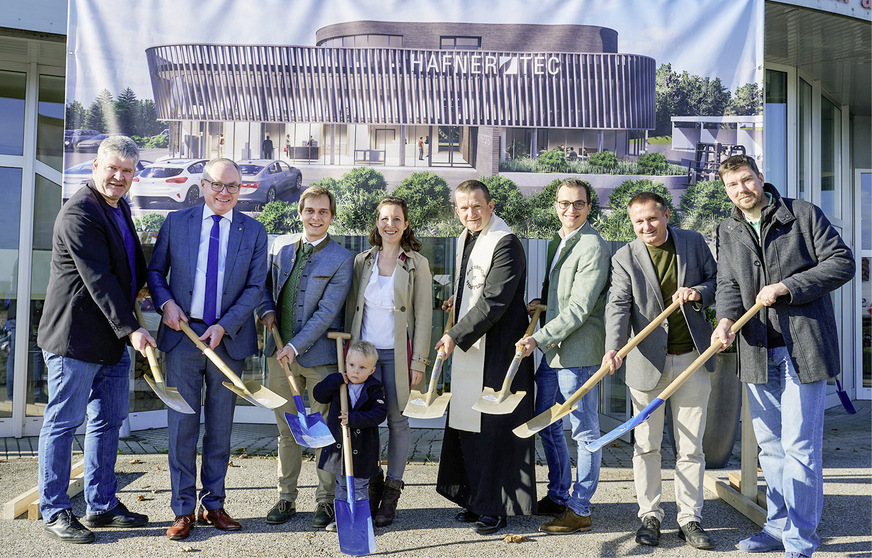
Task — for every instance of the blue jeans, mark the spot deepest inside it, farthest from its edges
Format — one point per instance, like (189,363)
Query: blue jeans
(788,419)
(555,386)
(75,386)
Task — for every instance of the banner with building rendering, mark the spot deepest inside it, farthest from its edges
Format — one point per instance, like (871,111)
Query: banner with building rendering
(415,97)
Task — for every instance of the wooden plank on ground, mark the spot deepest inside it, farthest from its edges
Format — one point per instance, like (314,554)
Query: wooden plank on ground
(77,484)
(744,505)
(18,505)
(736,484)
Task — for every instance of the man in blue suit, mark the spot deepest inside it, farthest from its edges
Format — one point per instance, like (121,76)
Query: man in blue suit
(218,261)
(306,287)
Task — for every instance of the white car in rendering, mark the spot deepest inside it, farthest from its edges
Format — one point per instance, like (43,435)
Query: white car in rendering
(78,175)
(169,180)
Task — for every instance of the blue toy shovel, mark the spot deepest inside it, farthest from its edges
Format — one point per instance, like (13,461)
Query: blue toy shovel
(671,388)
(353,519)
(308,430)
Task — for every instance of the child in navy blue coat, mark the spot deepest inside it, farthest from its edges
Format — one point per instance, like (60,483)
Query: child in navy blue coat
(367,409)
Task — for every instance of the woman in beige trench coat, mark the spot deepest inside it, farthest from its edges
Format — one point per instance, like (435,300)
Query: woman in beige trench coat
(391,305)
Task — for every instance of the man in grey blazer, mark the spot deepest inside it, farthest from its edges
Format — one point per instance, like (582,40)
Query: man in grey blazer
(306,287)
(662,265)
(215,258)
(573,342)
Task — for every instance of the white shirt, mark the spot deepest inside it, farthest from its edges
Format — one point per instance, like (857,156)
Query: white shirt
(198,296)
(377,325)
(561,245)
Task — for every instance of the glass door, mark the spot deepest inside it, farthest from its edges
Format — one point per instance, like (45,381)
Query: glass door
(863,253)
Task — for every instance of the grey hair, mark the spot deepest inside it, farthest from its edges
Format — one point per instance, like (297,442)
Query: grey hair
(122,146)
(220,160)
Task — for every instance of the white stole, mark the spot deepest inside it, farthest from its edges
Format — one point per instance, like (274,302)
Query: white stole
(467,367)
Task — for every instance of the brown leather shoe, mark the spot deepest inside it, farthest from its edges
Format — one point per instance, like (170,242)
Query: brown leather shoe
(219,519)
(181,527)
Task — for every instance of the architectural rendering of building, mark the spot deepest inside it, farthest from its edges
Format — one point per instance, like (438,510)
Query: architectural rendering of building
(371,91)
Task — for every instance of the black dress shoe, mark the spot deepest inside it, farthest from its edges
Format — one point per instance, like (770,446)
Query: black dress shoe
(119,516)
(649,533)
(66,527)
(281,512)
(466,516)
(488,524)
(547,506)
(694,535)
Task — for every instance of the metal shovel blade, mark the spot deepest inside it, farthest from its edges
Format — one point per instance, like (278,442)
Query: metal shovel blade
(171,397)
(845,398)
(542,420)
(426,405)
(498,403)
(308,430)
(354,524)
(626,427)
(257,395)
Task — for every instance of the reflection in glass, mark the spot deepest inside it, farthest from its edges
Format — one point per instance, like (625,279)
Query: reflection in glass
(804,140)
(10,212)
(12,90)
(866,313)
(775,124)
(50,125)
(866,210)
(47,203)
(831,158)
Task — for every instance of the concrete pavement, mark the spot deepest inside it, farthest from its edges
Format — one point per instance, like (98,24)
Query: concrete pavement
(425,525)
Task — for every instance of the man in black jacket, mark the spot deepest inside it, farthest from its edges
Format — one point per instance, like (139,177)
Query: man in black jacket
(97,269)
(785,254)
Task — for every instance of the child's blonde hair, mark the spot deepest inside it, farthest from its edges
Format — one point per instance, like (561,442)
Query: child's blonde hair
(366,349)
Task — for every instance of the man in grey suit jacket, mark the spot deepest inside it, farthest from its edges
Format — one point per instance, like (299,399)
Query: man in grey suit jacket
(662,265)
(573,342)
(216,262)
(304,313)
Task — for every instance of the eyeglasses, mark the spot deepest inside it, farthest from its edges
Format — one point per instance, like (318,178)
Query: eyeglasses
(218,186)
(578,205)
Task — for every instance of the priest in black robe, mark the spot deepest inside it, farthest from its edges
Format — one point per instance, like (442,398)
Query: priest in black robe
(484,467)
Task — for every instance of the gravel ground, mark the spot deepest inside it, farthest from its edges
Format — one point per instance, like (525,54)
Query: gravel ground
(425,524)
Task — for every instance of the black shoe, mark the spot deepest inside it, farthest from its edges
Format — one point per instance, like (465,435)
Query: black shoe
(649,533)
(376,492)
(694,535)
(66,527)
(488,524)
(324,514)
(466,516)
(547,506)
(119,516)
(281,512)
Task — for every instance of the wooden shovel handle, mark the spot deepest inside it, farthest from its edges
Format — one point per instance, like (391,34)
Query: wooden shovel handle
(440,357)
(211,355)
(622,352)
(277,336)
(149,350)
(343,400)
(710,352)
(537,309)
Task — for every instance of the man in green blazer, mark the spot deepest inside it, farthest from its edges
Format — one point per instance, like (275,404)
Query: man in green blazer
(573,342)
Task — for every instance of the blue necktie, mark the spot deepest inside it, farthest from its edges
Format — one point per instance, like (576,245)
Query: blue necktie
(209,299)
